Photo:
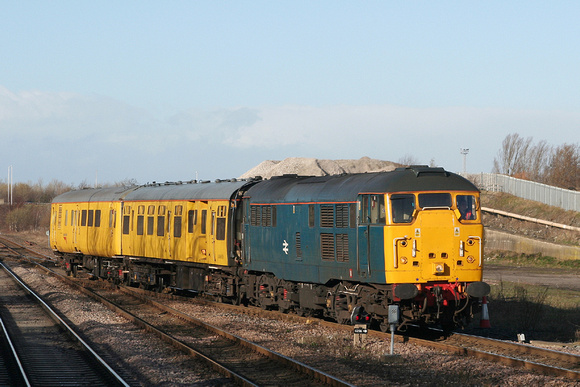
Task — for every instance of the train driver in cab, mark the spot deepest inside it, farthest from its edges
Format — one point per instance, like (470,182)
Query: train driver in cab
(465,207)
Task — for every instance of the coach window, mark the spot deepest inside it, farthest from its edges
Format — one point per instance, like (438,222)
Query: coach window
(97,218)
(126,219)
(84,218)
(91,217)
(161,221)
(140,219)
(150,219)
(177,221)
(221,223)
(111,218)
(203,221)
(221,229)
(191,220)
(402,208)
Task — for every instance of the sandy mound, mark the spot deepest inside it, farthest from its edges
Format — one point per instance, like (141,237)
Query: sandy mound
(315,167)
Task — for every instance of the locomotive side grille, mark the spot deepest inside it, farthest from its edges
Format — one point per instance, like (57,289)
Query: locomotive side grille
(342,247)
(327,246)
(326,216)
(342,215)
(256,216)
(266,216)
(298,246)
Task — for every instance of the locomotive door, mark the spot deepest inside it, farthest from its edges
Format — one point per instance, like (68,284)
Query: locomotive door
(372,217)
(363,236)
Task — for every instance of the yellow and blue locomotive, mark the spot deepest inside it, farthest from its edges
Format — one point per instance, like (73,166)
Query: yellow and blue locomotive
(325,246)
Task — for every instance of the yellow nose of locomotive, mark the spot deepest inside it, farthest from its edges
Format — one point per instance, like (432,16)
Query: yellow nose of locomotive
(438,244)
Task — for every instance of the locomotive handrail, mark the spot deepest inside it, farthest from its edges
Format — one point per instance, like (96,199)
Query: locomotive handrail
(480,248)
(396,250)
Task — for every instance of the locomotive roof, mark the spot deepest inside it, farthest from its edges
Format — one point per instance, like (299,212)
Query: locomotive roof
(345,188)
(167,191)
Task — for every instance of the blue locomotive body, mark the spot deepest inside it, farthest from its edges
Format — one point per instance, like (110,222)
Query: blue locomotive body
(306,229)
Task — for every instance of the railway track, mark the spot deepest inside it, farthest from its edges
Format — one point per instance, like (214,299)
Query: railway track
(222,351)
(245,362)
(44,350)
(539,360)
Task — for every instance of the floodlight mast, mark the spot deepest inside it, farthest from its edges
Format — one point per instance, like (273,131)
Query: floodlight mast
(464,152)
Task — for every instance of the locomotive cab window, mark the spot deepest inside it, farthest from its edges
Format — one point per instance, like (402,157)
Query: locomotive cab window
(402,208)
(467,206)
(435,200)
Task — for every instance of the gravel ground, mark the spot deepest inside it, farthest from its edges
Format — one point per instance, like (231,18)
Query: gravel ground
(151,362)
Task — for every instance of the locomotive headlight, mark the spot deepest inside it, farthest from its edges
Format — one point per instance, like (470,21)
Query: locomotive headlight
(438,268)
(470,259)
(404,260)
(470,242)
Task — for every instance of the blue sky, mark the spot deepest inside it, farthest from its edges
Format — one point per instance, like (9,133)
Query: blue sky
(157,91)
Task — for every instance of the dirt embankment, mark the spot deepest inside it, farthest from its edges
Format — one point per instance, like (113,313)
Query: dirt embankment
(513,204)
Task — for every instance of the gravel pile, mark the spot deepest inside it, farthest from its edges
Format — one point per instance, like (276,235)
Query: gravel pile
(151,362)
(316,167)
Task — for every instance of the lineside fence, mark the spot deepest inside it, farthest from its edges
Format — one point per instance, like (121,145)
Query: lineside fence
(553,196)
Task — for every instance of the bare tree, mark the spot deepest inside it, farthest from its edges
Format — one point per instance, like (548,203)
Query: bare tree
(564,167)
(408,160)
(537,160)
(512,157)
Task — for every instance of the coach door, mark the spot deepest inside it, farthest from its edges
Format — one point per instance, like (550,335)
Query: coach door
(370,231)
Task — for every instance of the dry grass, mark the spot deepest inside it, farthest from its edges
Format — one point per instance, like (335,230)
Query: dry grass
(510,203)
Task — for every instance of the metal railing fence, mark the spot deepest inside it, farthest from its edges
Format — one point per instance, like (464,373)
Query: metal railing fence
(553,196)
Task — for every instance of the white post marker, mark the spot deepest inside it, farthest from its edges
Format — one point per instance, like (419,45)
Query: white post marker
(394,316)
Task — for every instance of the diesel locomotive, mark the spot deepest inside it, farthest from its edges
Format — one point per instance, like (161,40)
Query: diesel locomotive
(331,246)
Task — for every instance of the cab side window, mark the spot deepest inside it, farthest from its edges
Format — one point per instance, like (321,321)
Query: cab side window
(373,209)
(467,206)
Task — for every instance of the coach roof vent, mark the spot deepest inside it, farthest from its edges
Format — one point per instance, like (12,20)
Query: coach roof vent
(425,170)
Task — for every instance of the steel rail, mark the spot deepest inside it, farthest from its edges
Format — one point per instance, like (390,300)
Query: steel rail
(14,354)
(307,370)
(67,327)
